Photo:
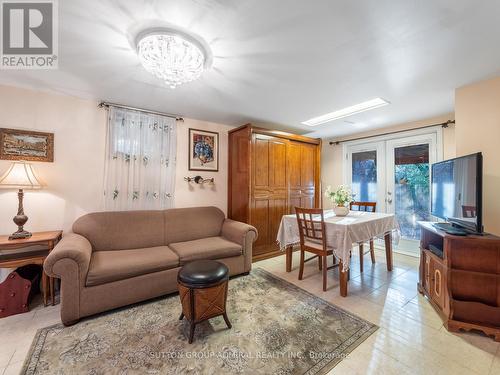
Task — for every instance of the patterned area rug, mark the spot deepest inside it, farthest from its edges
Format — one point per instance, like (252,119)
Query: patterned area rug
(278,328)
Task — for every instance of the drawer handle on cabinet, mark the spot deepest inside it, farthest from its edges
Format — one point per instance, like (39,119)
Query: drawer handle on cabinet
(437,275)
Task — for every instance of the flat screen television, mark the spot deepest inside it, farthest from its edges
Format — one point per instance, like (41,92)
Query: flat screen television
(456,191)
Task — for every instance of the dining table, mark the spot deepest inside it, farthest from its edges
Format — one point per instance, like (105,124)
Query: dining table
(342,232)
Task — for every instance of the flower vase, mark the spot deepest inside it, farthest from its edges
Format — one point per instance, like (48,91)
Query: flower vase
(341,210)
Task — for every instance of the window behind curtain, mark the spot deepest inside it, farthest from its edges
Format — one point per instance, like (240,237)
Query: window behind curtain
(140,161)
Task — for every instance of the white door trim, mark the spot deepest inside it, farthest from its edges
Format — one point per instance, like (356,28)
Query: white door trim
(381,144)
(438,130)
(391,145)
(386,142)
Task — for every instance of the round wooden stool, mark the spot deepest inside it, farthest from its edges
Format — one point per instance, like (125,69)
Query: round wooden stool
(203,291)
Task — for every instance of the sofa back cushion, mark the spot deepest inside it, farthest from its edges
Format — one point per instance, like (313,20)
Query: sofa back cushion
(187,224)
(122,230)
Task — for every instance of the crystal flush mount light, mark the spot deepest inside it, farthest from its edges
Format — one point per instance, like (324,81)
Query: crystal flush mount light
(172,56)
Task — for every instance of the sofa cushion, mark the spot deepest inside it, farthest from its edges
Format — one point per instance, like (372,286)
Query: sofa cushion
(122,229)
(192,223)
(205,248)
(113,265)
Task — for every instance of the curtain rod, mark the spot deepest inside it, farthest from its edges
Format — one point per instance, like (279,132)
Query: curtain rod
(107,105)
(443,125)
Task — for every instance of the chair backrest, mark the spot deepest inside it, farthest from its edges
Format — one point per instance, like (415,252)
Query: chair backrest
(363,206)
(311,224)
(469,211)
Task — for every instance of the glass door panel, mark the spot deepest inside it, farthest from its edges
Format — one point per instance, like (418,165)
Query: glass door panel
(364,176)
(411,188)
(365,173)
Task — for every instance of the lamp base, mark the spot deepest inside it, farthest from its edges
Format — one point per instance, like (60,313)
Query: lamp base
(20,219)
(20,235)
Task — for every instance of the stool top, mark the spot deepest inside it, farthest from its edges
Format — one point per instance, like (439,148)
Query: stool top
(203,272)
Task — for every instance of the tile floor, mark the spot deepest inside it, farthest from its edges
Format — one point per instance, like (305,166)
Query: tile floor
(411,338)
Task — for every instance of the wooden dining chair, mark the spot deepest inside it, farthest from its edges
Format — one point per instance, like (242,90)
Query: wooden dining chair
(312,233)
(365,207)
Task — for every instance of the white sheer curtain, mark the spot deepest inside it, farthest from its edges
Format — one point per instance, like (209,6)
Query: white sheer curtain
(140,161)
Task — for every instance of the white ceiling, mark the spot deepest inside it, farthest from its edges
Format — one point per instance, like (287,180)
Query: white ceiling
(282,61)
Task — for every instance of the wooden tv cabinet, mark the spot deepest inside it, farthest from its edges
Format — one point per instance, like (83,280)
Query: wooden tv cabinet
(464,285)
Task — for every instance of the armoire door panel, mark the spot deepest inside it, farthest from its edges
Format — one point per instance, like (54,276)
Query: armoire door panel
(269,193)
(261,193)
(308,191)
(295,201)
(261,162)
(307,202)
(294,163)
(260,220)
(277,164)
(308,198)
(277,208)
(302,168)
(242,154)
(239,174)
(308,165)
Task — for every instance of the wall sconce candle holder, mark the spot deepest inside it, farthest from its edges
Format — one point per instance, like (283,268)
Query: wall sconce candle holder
(199,180)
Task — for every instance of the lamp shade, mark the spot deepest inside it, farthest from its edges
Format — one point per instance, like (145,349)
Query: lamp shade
(20,175)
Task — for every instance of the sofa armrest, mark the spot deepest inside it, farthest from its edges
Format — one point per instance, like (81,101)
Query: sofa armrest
(69,261)
(74,248)
(238,232)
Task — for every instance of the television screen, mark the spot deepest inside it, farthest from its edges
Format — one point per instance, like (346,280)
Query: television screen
(456,191)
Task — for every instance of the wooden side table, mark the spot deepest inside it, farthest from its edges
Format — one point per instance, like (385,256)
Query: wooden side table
(14,260)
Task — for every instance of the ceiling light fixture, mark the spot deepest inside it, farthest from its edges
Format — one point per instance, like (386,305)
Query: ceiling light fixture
(348,111)
(174,57)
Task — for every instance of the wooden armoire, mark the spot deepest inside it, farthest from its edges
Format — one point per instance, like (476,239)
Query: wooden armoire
(270,173)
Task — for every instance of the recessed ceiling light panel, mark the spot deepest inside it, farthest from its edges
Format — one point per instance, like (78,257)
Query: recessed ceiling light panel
(172,56)
(348,111)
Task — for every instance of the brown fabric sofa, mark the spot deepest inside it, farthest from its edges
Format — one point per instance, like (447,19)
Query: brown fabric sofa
(117,258)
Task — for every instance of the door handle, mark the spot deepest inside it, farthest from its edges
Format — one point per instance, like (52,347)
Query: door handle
(389,197)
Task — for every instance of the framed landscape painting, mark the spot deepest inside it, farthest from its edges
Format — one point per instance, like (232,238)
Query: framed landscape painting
(203,150)
(26,145)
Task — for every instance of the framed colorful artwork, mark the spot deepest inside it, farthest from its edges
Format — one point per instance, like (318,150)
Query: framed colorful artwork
(203,150)
(26,145)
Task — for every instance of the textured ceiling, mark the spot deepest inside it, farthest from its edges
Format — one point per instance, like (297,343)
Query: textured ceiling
(282,61)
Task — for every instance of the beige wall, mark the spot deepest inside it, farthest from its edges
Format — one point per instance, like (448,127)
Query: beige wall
(477,110)
(331,156)
(74,180)
(191,194)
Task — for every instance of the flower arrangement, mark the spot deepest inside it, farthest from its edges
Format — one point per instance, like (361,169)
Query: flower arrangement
(340,197)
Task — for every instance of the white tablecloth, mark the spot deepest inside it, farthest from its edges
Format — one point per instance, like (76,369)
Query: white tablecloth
(342,232)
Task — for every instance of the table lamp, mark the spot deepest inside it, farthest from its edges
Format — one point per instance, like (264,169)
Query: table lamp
(20,176)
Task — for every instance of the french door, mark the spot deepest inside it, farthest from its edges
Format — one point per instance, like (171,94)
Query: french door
(395,173)
(365,174)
